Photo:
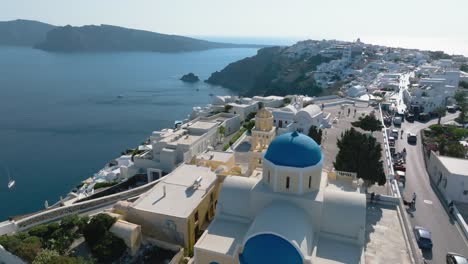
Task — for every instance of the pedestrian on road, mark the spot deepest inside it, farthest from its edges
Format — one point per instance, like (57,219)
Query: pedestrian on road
(414,199)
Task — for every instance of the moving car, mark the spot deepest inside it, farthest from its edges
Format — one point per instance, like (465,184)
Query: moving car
(423,237)
(454,258)
(412,138)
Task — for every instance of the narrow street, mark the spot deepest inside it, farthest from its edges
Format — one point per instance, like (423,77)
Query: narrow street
(429,212)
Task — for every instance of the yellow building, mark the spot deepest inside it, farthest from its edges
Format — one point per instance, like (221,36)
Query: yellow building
(262,135)
(177,209)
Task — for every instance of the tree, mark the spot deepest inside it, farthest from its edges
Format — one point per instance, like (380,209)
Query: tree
(97,227)
(440,111)
(249,125)
(361,154)
(463,84)
(103,244)
(260,105)
(464,67)
(109,248)
(221,132)
(460,98)
(227,108)
(316,134)
(368,123)
(456,150)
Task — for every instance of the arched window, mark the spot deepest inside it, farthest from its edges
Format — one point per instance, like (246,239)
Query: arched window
(214,262)
(310,181)
(287,182)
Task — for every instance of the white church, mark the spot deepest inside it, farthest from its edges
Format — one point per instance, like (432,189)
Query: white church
(290,213)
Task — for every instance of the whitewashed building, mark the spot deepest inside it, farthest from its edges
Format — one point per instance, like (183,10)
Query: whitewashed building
(450,175)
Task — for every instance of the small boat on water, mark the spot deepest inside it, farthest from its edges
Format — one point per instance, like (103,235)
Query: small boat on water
(11,183)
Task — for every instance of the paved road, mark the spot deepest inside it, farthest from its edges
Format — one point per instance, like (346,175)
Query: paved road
(429,211)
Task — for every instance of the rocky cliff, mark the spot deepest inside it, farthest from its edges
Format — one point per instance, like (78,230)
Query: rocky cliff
(271,72)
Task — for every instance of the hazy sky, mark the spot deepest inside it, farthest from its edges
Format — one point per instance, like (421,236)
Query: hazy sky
(340,19)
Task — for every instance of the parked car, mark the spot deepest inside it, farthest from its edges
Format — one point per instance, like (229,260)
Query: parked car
(412,138)
(410,117)
(454,258)
(423,237)
(394,133)
(451,109)
(397,120)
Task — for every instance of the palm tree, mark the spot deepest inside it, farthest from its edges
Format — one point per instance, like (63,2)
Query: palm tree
(440,111)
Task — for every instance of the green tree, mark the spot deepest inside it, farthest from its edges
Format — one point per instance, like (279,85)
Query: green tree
(368,123)
(316,134)
(460,98)
(440,111)
(227,108)
(456,150)
(464,67)
(463,84)
(361,154)
(260,105)
(97,227)
(249,125)
(109,248)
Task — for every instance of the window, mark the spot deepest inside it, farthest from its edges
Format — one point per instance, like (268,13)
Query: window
(211,197)
(310,181)
(287,182)
(196,216)
(268,176)
(214,262)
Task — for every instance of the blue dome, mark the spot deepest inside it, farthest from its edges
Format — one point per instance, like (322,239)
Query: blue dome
(294,150)
(269,249)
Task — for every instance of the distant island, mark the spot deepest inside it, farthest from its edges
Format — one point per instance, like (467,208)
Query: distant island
(190,78)
(23,32)
(103,38)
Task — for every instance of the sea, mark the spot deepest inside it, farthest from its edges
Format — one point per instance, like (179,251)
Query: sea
(64,116)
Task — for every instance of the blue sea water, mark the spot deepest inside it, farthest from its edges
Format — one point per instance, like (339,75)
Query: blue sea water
(61,119)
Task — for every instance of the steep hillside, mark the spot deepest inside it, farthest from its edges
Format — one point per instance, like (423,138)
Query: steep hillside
(271,72)
(23,32)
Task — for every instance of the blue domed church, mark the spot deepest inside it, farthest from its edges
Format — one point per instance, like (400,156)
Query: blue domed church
(288,214)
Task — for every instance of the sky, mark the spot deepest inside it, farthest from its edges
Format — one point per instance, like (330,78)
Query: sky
(395,21)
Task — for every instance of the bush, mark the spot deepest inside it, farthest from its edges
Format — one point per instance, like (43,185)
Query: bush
(437,129)
(103,185)
(104,245)
(109,248)
(225,147)
(236,136)
(97,227)
(22,245)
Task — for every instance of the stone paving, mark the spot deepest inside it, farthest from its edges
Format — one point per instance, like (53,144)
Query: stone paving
(331,135)
(385,242)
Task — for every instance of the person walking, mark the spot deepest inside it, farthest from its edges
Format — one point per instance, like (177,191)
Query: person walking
(414,200)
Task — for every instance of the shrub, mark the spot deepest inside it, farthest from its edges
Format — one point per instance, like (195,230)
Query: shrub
(97,227)
(103,185)
(109,248)
(236,136)
(225,147)
(22,245)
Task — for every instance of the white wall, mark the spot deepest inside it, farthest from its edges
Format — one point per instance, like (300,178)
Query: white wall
(452,186)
